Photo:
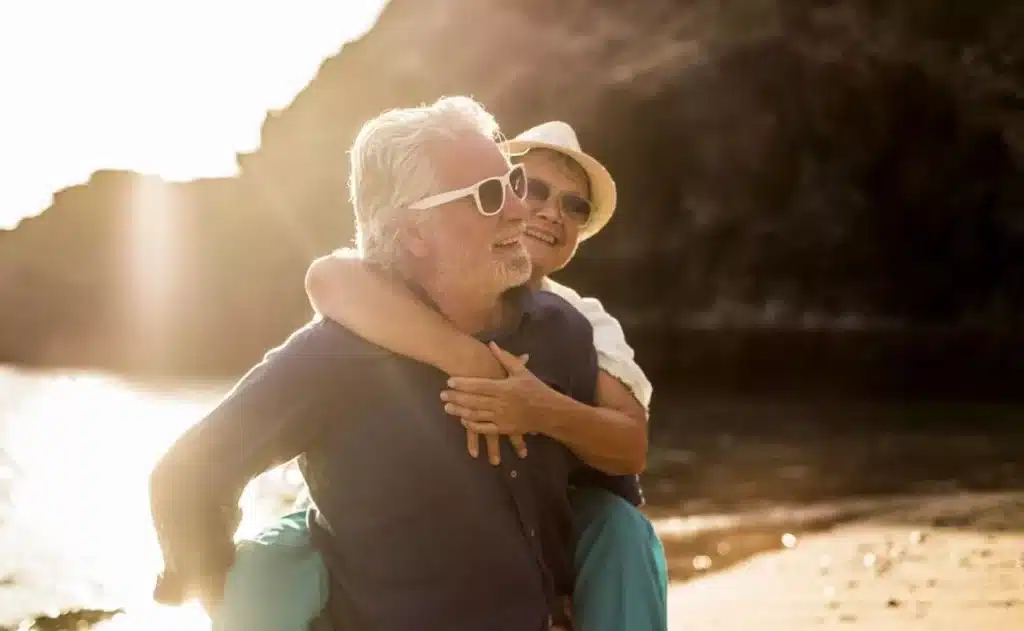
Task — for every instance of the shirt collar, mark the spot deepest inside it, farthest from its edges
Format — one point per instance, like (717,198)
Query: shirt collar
(521,300)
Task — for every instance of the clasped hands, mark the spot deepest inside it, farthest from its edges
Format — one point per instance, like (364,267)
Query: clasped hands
(512,406)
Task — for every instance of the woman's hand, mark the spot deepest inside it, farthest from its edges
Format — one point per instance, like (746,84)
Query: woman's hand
(512,406)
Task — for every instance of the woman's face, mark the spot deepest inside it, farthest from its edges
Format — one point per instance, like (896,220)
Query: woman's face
(558,195)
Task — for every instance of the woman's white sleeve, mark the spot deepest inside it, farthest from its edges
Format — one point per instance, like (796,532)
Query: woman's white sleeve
(614,355)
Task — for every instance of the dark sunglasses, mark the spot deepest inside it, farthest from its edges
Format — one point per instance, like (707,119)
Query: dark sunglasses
(573,206)
(488,194)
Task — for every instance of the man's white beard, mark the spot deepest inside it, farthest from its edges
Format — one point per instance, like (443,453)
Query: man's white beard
(514,273)
(492,279)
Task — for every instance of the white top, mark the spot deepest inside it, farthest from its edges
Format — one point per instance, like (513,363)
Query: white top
(614,354)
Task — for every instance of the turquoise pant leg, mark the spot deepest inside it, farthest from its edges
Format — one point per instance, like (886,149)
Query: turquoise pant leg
(621,571)
(278,582)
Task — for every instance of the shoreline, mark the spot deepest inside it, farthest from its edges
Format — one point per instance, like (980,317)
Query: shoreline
(707,552)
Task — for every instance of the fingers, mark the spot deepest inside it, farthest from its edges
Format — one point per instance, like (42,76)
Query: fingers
(470,401)
(476,385)
(510,362)
(482,428)
(519,444)
(473,443)
(493,449)
(491,438)
(476,416)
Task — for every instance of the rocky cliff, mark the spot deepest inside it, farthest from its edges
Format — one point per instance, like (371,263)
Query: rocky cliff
(782,163)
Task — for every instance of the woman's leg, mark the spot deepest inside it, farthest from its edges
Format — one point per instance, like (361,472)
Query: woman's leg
(621,572)
(278,581)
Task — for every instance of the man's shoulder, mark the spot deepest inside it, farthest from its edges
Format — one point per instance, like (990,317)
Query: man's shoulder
(554,310)
(557,288)
(559,324)
(325,338)
(568,339)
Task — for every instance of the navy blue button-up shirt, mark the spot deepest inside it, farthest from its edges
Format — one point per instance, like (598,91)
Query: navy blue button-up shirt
(415,533)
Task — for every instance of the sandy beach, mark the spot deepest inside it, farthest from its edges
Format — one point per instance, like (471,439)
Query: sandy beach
(954,562)
(786,530)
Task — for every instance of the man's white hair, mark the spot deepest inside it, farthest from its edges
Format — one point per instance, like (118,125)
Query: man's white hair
(391,167)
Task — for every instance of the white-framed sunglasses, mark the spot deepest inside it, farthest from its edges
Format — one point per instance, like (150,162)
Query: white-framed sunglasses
(489,194)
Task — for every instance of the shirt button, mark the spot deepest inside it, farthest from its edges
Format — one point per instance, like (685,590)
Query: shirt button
(514,474)
(533,533)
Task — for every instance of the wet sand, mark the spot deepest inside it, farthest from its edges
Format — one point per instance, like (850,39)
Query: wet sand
(942,563)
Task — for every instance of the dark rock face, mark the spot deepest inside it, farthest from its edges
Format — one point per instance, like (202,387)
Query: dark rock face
(780,163)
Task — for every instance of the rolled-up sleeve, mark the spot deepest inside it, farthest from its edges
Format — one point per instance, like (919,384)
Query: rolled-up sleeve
(272,415)
(614,355)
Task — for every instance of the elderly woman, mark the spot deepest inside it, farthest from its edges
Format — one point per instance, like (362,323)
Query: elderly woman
(278,581)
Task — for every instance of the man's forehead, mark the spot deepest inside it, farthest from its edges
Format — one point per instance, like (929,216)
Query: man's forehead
(466,159)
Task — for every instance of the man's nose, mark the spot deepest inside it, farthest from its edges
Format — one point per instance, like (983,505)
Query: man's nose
(515,209)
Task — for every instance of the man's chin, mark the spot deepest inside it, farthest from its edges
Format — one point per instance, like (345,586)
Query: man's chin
(516,280)
(515,272)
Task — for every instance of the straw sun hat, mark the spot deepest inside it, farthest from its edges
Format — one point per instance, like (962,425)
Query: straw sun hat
(559,136)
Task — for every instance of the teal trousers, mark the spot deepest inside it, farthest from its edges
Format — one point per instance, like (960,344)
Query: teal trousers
(621,572)
(279,582)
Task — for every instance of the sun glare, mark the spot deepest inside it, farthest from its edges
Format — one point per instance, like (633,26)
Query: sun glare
(167,88)
(84,446)
(153,255)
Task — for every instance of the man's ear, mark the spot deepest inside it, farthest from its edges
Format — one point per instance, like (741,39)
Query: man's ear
(412,236)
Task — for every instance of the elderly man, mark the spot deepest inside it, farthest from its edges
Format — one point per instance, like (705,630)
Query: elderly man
(621,577)
(413,533)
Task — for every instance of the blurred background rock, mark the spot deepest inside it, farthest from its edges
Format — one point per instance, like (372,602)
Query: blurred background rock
(816,198)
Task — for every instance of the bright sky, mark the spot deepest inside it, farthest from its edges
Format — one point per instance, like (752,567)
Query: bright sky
(168,87)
